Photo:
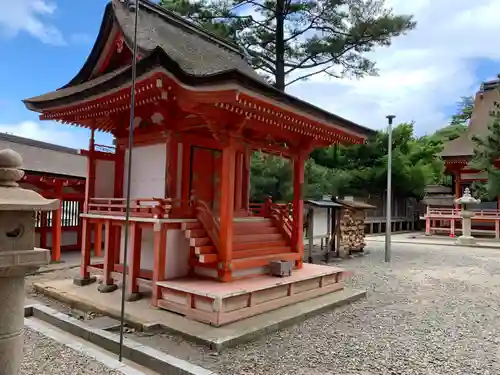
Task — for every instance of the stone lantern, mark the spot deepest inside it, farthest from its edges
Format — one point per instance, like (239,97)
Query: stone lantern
(18,255)
(465,201)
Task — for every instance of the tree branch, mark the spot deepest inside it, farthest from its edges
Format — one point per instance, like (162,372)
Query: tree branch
(305,76)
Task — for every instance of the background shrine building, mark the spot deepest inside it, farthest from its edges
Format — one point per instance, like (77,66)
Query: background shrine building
(201,110)
(443,216)
(54,172)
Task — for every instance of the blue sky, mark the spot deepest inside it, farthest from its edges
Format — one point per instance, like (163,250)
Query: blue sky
(422,75)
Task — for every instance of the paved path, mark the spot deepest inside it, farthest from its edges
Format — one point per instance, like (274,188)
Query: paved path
(421,238)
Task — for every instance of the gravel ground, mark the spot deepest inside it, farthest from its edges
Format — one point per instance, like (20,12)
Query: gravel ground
(44,356)
(435,310)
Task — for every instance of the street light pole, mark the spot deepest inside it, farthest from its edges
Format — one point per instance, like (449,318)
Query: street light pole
(388,218)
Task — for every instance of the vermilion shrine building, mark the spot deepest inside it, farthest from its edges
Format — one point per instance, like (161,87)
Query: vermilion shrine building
(457,154)
(195,241)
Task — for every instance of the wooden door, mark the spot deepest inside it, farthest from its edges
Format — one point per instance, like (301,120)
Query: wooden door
(205,176)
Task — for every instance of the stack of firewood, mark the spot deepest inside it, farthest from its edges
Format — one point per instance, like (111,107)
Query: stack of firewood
(352,231)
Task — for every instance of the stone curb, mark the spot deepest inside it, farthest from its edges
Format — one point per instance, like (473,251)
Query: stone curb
(148,357)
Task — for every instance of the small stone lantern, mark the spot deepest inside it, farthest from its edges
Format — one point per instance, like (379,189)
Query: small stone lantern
(18,255)
(465,201)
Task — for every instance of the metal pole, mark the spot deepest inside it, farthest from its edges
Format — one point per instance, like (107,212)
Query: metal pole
(388,218)
(133,7)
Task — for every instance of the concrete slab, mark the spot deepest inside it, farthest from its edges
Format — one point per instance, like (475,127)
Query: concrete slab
(142,315)
(103,322)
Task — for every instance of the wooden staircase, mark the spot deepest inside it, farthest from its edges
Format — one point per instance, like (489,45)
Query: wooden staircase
(256,242)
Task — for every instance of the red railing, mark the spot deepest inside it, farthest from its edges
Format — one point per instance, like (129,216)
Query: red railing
(281,214)
(158,208)
(209,222)
(450,213)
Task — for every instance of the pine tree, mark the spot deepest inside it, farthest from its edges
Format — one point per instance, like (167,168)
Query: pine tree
(292,40)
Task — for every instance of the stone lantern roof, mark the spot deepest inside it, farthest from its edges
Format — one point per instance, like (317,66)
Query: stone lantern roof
(14,198)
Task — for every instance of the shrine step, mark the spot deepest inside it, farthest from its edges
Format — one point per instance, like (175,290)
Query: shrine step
(255,244)
(262,261)
(191,225)
(195,233)
(255,229)
(209,249)
(253,223)
(207,258)
(200,241)
(258,237)
(257,252)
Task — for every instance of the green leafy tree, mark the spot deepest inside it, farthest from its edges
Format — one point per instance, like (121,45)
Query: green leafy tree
(292,40)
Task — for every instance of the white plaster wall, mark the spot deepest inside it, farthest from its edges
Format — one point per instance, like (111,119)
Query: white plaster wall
(177,252)
(67,238)
(104,178)
(148,171)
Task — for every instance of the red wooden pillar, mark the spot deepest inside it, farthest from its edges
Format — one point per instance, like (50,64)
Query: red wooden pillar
(90,182)
(247,154)
(227,209)
(43,229)
(79,234)
(108,284)
(238,182)
(172,166)
(98,239)
(119,170)
(57,226)
(186,172)
(298,206)
(85,278)
(134,263)
(160,248)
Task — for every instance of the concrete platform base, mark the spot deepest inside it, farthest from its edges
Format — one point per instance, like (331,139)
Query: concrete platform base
(143,316)
(218,304)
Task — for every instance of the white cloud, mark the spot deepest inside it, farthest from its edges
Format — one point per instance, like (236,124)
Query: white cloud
(423,72)
(32,17)
(46,132)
